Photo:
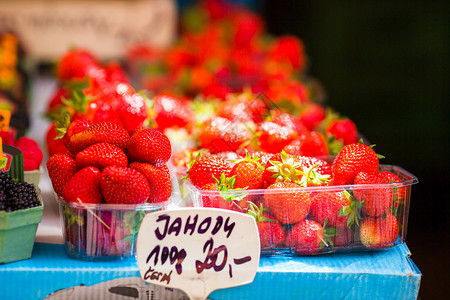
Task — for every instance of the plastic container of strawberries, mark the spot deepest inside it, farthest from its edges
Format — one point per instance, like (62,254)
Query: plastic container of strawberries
(352,230)
(101,232)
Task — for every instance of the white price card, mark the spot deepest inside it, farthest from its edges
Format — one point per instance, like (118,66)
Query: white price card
(198,250)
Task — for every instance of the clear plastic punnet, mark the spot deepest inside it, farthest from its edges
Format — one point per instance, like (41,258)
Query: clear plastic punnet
(340,218)
(96,232)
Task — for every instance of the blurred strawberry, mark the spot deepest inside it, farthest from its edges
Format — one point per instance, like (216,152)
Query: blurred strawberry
(274,137)
(172,112)
(122,185)
(311,115)
(32,153)
(246,27)
(132,110)
(289,49)
(8,137)
(216,90)
(308,144)
(56,99)
(343,130)
(74,65)
(52,144)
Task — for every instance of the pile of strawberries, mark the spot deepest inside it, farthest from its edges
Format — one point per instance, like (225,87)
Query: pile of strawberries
(108,164)
(307,204)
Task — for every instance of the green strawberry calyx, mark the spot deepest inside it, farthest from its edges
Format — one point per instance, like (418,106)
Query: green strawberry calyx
(248,158)
(287,169)
(328,232)
(226,185)
(353,210)
(257,212)
(312,177)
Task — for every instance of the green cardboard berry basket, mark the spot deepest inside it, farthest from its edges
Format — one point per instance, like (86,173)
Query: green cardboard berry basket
(18,232)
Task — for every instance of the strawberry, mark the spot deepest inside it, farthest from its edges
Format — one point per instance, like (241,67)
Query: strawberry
(101,155)
(216,90)
(289,49)
(74,65)
(205,167)
(149,146)
(32,153)
(376,200)
(132,110)
(264,157)
(287,202)
(305,237)
(327,205)
(60,168)
(249,173)
(104,132)
(285,119)
(379,233)
(271,233)
(312,114)
(8,137)
(54,145)
(398,193)
(76,126)
(172,112)
(244,107)
(158,179)
(221,135)
(343,130)
(84,186)
(308,144)
(56,99)
(274,137)
(351,160)
(122,185)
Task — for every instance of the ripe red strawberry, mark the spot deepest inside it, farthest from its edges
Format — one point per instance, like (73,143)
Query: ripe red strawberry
(104,132)
(328,205)
(172,112)
(312,114)
(244,107)
(376,200)
(274,137)
(54,145)
(398,193)
(85,186)
(308,144)
(56,99)
(379,233)
(74,127)
(32,153)
(249,173)
(285,119)
(101,155)
(271,233)
(305,237)
(351,160)
(206,167)
(343,130)
(149,146)
(122,185)
(289,49)
(211,197)
(74,65)
(221,135)
(158,179)
(287,202)
(60,168)
(132,110)
(263,156)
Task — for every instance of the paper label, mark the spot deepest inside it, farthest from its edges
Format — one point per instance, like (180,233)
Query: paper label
(198,250)
(49,28)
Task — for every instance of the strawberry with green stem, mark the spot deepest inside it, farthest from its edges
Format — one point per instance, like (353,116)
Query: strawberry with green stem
(222,193)
(205,167)
(306,237)
(271,233)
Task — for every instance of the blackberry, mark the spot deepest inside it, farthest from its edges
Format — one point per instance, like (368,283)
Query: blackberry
(16,195)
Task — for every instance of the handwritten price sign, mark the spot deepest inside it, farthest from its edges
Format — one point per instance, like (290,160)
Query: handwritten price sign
(198,250)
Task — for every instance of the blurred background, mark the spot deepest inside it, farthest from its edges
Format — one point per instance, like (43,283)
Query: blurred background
(384,64)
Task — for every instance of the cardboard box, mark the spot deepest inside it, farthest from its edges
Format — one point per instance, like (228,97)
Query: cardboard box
(388,274)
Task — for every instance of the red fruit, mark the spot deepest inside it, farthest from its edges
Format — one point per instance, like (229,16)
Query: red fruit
(247,27)
(312,115)
(32,153)
(158,179)
(249,174)
(74,65)
(376,200)
(101,155)
(287,202)
(328,205)
(171,112)
(289,49)
(61,168)
(343,130)
(379,233)
(211,197)
(132,110)
(8,137)
(244,107)
(216,90)
(149,146)
(221,135)
(74,127)
(305,237)
(398,193)
(84,186)
(104,132)
(351,160)
(206,167)
(274,137)
(56,99)
(122,185)
(54,146)
(308,144)
(263,156)
(271,234)
(285,119)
